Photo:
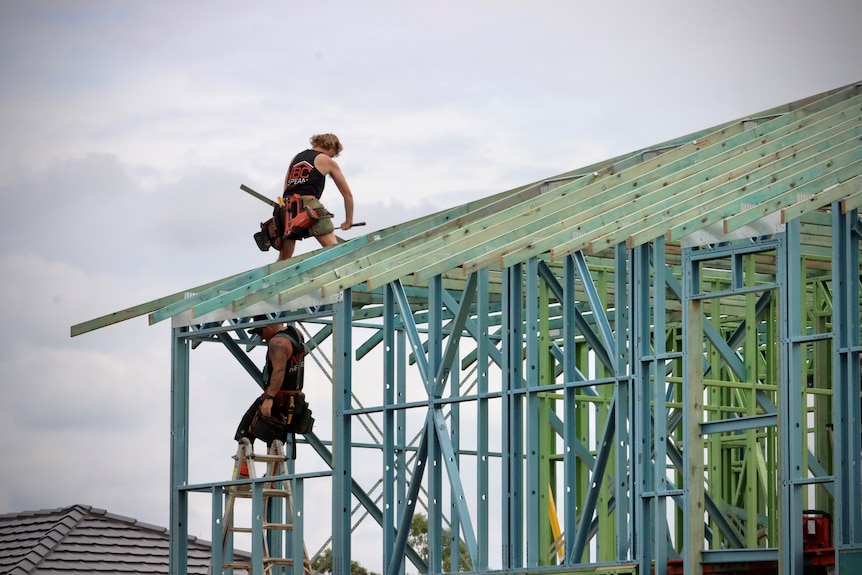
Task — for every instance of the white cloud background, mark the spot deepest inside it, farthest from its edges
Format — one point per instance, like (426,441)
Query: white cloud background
(127,128)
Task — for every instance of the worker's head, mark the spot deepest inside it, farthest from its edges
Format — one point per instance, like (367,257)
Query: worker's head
(328,142)
(268,331)
(265,332)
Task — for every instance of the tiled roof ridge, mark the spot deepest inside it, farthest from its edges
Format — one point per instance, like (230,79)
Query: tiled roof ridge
(89,510)
(129,520)
(144,525)
(55,533)
(59,528)
(46,511)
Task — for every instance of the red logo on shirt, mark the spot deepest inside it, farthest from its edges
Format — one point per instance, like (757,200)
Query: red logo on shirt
(299,173)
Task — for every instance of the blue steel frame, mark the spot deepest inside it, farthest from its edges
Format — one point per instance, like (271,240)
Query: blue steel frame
(847,391)
(654,489)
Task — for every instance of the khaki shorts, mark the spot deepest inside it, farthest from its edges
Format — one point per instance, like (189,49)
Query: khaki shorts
(323,225)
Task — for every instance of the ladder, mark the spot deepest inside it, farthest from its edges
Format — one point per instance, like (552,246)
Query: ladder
(277,498)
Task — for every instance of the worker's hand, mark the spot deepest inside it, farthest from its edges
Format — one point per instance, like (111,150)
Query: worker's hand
(346,226)
(266,407)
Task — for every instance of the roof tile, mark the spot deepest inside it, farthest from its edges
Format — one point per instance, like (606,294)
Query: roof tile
(85,540)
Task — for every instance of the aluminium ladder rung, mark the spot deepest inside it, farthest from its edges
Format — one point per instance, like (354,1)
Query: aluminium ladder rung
(268,458)
(279,561)
(247,564)
(246,493)
(278,526)
(270,526)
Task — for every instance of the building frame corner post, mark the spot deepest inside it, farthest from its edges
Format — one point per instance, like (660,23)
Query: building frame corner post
(642,479)
(342,474)
(692,395)
(512,420)
(626,434)
(790,405)
(846,380)
(179,452)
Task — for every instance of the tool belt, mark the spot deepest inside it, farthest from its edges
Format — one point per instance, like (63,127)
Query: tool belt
(270,233)
(291,221)
(290,414)
(299,218)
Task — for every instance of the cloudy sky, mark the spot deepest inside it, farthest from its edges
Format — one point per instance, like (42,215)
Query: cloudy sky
(128,127)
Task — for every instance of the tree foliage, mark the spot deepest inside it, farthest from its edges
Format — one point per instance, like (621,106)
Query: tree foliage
(417,539)
(323,564)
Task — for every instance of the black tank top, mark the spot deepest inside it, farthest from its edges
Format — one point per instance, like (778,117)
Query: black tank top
(295,369)
(303,178)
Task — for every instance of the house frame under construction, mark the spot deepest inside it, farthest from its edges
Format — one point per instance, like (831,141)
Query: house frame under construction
(646,365)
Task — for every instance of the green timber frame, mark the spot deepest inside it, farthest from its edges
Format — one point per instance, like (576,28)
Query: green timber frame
(651,364)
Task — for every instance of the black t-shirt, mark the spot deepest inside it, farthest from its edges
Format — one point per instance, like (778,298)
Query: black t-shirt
(303,178)
(295,369)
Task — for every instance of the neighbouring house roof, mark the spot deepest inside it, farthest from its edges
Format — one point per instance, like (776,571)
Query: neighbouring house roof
(83,540)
